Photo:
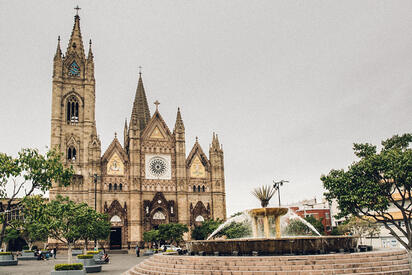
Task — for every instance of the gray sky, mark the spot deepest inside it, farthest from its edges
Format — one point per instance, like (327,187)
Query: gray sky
(287,85)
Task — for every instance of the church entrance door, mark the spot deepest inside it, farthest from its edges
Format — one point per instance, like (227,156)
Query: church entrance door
(116,238)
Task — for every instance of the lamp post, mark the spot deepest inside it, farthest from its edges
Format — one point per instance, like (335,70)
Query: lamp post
(95,178)
(277,185)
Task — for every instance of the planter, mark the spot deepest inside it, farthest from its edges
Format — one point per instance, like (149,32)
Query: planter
(76,252)
(27,256)
(68,272)
(6,258)
(90,265)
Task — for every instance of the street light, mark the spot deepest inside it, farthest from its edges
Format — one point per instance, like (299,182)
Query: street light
(277,185)
(95,178)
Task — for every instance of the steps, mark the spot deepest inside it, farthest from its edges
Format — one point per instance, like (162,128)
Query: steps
(389,262)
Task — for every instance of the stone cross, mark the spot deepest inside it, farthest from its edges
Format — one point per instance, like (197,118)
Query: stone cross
(77,9)
(157,104)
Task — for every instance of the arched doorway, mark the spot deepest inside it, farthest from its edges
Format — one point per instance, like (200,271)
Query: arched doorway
(118,221)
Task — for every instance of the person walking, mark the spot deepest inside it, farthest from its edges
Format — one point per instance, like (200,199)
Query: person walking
(54,252)
(137,251)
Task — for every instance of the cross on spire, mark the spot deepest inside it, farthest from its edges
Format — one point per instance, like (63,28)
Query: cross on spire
(157,104)
(140,70)
(77,10)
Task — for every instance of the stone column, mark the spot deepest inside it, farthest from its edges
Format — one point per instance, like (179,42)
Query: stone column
(277,226)
(266,226)
(254,226)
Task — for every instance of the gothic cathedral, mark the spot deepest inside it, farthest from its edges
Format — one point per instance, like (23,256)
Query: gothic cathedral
(146,182)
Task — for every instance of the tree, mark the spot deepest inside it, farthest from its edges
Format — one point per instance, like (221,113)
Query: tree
(376,181)
(151,236)
(94,225)
(202,231)
(172,232)
(30,225)
(29,172)
(236,230)
(10,234)
(361,227)
(298,228)
(66,221)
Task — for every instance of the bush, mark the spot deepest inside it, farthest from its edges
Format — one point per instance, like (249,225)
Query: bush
(58,267)
(25,247)
(92,252)
(169,250)
(5,253)
(83,256)
(28,251)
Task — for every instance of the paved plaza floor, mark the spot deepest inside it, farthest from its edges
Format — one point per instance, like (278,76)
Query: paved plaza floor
(119,263)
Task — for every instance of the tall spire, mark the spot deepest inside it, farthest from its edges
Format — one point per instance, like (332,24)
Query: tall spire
(140,112)
(179,126)
(58,54)
(215,143)
(76,43)
(90,55)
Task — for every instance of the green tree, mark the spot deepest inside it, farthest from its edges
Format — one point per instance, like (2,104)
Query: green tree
(29,172)
(236,230)
(317,224)
(31,226)
(361,227)
(172,232)
(299,228)
(66,221)
(10,234)
(202,231)
(376,181)
(151,236)
(94,225)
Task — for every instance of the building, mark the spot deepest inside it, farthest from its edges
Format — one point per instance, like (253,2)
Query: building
(146,181)
(319,210)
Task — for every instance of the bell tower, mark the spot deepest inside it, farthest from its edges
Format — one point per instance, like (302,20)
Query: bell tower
(73,124)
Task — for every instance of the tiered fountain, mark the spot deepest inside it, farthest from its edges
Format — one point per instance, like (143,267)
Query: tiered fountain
(266,244)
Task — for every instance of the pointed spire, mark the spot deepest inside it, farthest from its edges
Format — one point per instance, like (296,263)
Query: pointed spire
(140,112)
(215,142)
(58,54)
(76,43)
(179,126)
(90,55)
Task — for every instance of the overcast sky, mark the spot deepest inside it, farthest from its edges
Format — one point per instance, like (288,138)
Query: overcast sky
(287,85)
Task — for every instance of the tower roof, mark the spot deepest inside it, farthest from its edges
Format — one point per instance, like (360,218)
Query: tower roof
(179,126)
(140,112)
(76,43)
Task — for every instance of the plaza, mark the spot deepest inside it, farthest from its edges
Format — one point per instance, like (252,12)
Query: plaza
(118,264)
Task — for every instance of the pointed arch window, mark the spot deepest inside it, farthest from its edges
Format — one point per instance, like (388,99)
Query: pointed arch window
(110,187)
(72,110)
(203,188)
(198,188)
(194,188)
(120,187)
(71,154)
(115,187)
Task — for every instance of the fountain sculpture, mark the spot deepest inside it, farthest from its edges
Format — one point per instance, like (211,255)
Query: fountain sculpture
(268,245)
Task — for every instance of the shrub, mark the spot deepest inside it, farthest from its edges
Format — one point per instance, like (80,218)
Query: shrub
(58,267)
(92,252)
(169,250)
(83,256)
(25,247)
(28,251)
(5,253)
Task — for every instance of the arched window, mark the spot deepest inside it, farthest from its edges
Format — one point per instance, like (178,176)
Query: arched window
(71,153)
(198,188)
(120,187)
(72,110)
(194,188)
(115,186)
(110,187)
(203,188)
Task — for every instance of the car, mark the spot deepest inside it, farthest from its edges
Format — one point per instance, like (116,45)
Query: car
(170,247)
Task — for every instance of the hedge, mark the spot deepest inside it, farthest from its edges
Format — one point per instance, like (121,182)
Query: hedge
(28,251)
(68,267)
(5,253)
(83,256)
(92,252)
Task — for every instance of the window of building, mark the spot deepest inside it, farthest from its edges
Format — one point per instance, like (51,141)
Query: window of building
(327,216)
(71,153)
(115,187)
(120,187)
(203,189)
(110,187)
(198,188)
(194,188)
(72,110)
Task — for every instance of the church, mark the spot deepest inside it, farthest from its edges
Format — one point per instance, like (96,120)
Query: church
(145,180)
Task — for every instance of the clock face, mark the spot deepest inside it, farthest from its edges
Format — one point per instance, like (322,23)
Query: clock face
(74,69)
(158,166)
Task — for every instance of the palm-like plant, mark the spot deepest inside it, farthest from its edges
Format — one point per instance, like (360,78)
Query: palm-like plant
(264,194)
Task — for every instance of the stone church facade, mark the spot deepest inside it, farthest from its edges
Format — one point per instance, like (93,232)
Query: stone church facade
(144,182)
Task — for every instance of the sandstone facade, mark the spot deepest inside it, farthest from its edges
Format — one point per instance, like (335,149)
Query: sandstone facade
(147,181)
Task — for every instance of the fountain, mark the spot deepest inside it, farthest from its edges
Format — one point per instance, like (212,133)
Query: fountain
(266,244)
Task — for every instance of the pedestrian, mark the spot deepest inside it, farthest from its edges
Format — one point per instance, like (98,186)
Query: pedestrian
(54,252)
(137,251)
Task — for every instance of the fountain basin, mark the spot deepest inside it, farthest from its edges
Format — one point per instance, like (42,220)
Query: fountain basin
(271,246)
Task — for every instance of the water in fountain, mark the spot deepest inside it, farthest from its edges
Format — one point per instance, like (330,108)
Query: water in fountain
(243,217)
(291,215)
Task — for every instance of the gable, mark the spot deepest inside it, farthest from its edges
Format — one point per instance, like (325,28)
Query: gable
(115,165)
(197,169)
(156,134)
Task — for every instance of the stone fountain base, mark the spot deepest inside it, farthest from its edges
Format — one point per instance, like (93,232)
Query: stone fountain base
(271,246)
